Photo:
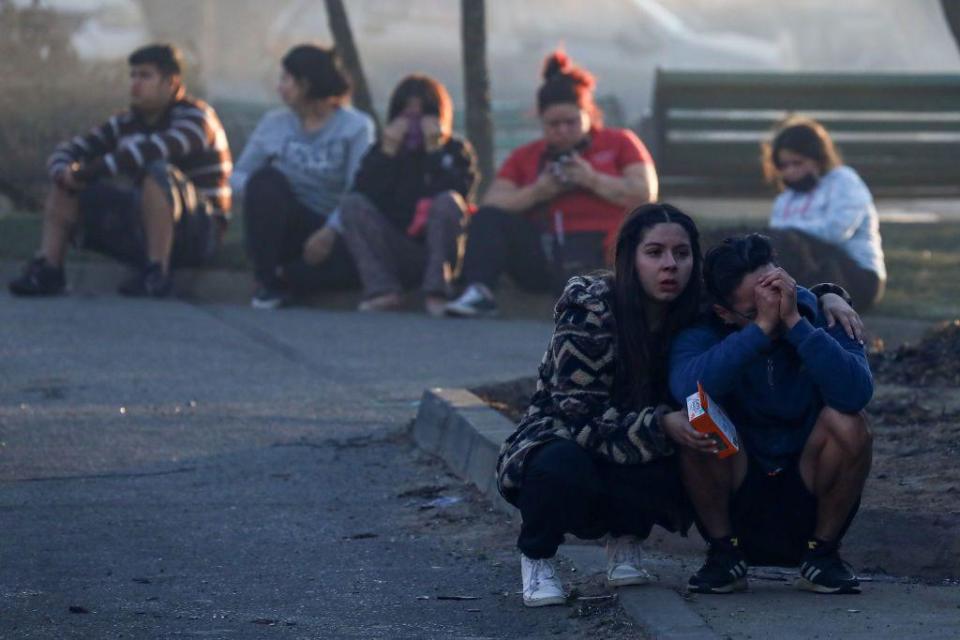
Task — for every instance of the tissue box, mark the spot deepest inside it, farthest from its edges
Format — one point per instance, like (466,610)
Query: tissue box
(708,417)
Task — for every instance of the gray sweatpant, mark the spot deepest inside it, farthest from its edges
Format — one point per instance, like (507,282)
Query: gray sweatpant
(388,260)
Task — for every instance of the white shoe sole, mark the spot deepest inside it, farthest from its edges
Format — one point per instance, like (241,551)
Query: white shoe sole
(736,585)
(266,305)
(805,585)
(469,312)
(544,602)
(627,581)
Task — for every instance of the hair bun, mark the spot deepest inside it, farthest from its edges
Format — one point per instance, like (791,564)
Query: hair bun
(556,63)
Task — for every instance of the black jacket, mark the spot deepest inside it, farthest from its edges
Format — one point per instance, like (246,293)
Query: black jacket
(575,393)
(395,184)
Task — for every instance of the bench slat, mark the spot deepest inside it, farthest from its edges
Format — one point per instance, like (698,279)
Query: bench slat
(901,132)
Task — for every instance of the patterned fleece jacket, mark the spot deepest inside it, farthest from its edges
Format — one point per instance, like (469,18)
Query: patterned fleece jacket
(574,397)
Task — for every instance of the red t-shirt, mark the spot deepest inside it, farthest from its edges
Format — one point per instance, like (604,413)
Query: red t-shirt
(609,152)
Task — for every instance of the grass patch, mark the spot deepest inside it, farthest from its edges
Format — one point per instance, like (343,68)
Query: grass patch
(923,267)
(923,271)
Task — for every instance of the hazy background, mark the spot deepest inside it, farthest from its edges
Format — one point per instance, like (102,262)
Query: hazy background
(235,44)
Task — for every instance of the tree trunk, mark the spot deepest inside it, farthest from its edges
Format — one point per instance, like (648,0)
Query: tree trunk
(951,11)
(476,83)
(347,50)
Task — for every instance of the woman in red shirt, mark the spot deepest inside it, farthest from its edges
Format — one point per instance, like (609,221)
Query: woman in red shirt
(556,203)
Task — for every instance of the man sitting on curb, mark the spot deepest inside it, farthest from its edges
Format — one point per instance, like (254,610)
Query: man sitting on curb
(148,187)
(795,390)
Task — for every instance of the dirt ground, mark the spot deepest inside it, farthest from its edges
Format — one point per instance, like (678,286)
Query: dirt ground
(914,414)
(916,420)
(478,532)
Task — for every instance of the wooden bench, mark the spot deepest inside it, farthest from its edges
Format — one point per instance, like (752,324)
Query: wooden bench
(901,132)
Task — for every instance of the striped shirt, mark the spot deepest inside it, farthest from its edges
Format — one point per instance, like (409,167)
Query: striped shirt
(189,136)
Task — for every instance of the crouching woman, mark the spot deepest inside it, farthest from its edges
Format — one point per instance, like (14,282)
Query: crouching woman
(594,453)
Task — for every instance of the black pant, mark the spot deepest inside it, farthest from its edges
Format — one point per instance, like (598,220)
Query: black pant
(277,225)
(499,241)
(775,514)
(566,490)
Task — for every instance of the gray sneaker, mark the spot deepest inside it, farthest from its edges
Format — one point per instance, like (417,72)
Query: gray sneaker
(623,562)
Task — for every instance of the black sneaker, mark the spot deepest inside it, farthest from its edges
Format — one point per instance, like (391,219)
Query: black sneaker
(152,282)
(725,570)
(823,571)
(39,278)
(268,298)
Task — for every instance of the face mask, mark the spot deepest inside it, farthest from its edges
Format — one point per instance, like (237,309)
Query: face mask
(804,184)
(413,140)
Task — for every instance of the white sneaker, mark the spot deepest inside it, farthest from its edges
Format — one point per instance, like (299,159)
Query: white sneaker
(623,562)
(475,302)
(541,586)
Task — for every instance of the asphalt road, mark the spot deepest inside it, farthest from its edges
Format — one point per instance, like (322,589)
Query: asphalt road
(170,470)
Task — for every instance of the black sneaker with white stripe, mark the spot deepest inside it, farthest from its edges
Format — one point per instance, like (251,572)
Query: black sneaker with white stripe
(823,571)
(725,570)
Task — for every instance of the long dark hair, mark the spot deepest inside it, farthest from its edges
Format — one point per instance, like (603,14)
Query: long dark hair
(804,136)
(642,352)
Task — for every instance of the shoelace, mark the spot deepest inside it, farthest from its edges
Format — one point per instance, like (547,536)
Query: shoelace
(626,552)
(474,296)
(834,561)
(32,270)
(540,571)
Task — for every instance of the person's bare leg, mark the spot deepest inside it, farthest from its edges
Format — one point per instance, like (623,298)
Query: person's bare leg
(834,466)
(158,222)
(60,214)
(710,483)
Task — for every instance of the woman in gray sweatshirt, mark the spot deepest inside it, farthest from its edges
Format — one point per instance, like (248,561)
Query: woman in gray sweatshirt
(299,161)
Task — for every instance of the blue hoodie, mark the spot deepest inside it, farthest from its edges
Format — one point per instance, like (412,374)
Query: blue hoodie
(773,390)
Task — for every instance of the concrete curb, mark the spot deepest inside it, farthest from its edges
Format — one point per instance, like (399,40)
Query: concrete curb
(460,428)
(101,277)
(96,277)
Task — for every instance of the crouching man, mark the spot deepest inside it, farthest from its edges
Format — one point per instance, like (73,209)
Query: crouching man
(149,187)
(795,389)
